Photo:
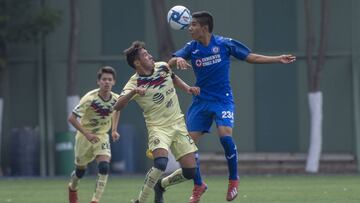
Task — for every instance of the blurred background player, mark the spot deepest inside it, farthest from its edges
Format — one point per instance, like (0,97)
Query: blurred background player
(97,116)
(152,87)
(210,58)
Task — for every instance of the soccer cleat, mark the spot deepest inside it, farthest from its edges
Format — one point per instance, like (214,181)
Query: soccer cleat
(94,202)
(159,191)
(73,197)
(136,201)
(232,190)
(198,190)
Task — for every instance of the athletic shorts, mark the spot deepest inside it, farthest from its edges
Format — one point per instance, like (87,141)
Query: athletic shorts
(86,152)
(201,114)
(174,137)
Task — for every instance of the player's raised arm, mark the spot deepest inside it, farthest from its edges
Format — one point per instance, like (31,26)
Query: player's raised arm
(114,125)
(178,82)
(125,98)
(258,58)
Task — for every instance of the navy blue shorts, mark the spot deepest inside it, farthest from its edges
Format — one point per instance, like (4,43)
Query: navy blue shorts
(201,114)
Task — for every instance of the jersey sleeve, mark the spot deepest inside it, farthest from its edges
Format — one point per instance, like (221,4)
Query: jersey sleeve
(84,103)
(184,52)
(130,85)
(237,49)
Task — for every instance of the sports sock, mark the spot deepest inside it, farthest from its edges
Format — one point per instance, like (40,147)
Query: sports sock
(99,188)
(197,179)
(174,178)
(150,180)
(231,156)
(74,181)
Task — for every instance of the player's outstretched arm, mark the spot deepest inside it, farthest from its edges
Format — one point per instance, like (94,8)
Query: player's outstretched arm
(115,121)
(258,58)
(124,99)
(178,82)
(179,63)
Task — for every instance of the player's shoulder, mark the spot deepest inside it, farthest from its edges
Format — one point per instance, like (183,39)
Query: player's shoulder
(132,81)
(161,64)
(91,94)
(221,39)
(114,95)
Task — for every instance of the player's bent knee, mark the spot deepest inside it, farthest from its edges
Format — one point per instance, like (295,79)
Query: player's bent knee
(189,173)
(161,163)
(79,172)
(103,167)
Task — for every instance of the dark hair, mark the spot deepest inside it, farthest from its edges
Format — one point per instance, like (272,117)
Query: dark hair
(106,69)
(133,51)
(204,18)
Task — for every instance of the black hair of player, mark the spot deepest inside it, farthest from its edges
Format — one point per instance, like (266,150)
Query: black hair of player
(204,18)
(132,52)
(106,69)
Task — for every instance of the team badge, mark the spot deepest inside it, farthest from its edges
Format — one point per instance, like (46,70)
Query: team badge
(198,62)
(163,74)
(215,49)
(156,141)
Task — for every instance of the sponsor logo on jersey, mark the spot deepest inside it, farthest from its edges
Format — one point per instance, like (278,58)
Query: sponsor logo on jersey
(158,98)
(207,61)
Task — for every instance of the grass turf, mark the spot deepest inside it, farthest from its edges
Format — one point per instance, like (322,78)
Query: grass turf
(253,189)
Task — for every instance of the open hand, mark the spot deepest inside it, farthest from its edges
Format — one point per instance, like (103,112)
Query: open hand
(92,138)
(182,64)
(288,58)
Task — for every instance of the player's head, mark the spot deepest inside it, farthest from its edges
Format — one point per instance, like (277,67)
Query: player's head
(137,56)
(202,21)
(106,77)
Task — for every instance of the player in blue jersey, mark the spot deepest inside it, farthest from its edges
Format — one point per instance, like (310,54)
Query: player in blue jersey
(209,55)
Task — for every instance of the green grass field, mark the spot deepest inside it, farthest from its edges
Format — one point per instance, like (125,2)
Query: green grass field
(253,189)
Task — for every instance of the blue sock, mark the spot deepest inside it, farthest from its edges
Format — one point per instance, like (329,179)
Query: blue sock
(197,178)
(231,156)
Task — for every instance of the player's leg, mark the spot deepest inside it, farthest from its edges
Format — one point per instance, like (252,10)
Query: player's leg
(75,177)
(82,158)
(224,120)
(103,163)
(186,172)
(197,180)
(198,122)
(160,162)
(231,156)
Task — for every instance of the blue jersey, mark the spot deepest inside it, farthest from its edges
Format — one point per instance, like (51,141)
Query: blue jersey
(211,65)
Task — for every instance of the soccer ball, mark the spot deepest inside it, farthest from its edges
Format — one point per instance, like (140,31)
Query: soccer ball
(179,17)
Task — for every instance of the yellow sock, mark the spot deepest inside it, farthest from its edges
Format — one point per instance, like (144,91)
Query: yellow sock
(100,187)
(150,180)
(172,179)
(74,181)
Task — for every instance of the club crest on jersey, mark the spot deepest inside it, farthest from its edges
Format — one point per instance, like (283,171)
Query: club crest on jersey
(198,62)
(163,74)
(215,49)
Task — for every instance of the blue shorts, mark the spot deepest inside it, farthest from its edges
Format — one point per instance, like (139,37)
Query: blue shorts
(201,114)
